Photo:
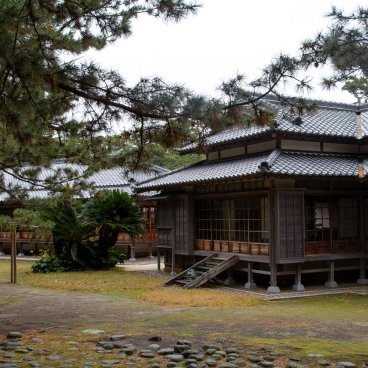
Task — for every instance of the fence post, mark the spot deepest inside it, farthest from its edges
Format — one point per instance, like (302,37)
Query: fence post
(132,251)
(13,259)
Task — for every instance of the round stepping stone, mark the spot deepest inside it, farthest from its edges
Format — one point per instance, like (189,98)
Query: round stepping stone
(346,364)
(117,337)
(166,351)
(14,335)
(111,362)
(92,331)
(154,347)
(175,357)
(324,363)
(146,354)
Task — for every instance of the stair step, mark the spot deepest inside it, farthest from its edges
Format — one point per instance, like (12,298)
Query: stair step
(212,264)
(182,282)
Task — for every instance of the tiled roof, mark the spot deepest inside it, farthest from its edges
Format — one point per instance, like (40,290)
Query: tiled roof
(205,171)
(312,164)
(277,162)
(328,119)
(114,178)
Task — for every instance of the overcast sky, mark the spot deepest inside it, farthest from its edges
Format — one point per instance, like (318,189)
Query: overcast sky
(226,37)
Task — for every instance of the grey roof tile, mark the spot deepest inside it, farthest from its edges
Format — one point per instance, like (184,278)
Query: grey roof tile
(324,121)
(276,162)
(114,178)
(312,164)
(208,171)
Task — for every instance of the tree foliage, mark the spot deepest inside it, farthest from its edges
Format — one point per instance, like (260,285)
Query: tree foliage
(344,46)
(55,105)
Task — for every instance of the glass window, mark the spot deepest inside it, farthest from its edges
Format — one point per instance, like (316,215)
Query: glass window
(243,219)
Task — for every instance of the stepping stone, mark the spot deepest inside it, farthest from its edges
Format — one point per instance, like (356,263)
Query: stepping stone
(346,364)
(111,362)
(14,335)
(146,354)
(166,351)
(324,363)
(155,338)
(175,357)
(154,347)
(117,337)
(92,331)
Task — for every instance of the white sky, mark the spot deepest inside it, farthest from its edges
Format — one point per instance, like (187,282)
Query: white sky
(226,37)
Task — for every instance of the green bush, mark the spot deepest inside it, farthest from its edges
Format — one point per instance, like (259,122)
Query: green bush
(48,263)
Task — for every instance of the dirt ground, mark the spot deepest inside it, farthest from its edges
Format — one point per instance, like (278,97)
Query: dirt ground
(26,308)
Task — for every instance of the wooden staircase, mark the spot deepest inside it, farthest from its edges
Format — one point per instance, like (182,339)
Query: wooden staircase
(203,271)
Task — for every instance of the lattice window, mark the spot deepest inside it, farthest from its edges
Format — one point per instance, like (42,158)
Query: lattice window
(243,219)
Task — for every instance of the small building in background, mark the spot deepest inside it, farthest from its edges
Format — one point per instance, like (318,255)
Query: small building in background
(116,178)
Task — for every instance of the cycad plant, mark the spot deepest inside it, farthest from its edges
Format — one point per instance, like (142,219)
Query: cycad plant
(109,213)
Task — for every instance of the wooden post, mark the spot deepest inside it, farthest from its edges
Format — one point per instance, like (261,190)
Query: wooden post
(273,288)
(132,250)
(150,256)
(250,284)
(173,235)
(298,286)
(13,259)
(158,260)
(331,283)
(362,275)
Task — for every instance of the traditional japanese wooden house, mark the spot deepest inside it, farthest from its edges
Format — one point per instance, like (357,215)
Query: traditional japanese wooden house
(289,198)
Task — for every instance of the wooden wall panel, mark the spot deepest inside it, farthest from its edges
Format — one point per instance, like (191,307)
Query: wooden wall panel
(290,224)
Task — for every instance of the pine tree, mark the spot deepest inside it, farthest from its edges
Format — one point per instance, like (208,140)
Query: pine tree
(54,106)
(345,47)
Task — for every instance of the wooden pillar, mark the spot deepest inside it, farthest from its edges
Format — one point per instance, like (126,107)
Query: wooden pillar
(158,260)
(331,283)
(13,259)
(273,288)
(173,236)
(132,251)
(150,253)
(362,274)
(250,284)
(298,286)
(230,278)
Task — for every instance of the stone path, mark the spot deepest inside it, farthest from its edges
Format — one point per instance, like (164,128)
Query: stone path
(116,350)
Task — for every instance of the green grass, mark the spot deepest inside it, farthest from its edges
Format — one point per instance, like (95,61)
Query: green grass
(321,325)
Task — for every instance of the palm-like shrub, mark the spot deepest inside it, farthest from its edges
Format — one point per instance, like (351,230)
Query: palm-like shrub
(109,213)
(71,240)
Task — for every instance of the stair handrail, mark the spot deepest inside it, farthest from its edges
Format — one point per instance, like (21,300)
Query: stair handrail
(229,261)
(178,276)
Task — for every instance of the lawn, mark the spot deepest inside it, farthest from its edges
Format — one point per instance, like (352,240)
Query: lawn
(333,325)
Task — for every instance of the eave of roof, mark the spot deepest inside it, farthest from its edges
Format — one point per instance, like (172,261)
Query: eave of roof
(329,119)
(275,163)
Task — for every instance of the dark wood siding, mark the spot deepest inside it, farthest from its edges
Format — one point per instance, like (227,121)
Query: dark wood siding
(174,225)
(290,224)
(183,243)
(164,223)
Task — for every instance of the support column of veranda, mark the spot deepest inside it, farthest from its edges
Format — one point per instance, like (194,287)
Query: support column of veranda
(250,284)
(273,288)
(230,278)
(331,283)
(298,286)
(362,277)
